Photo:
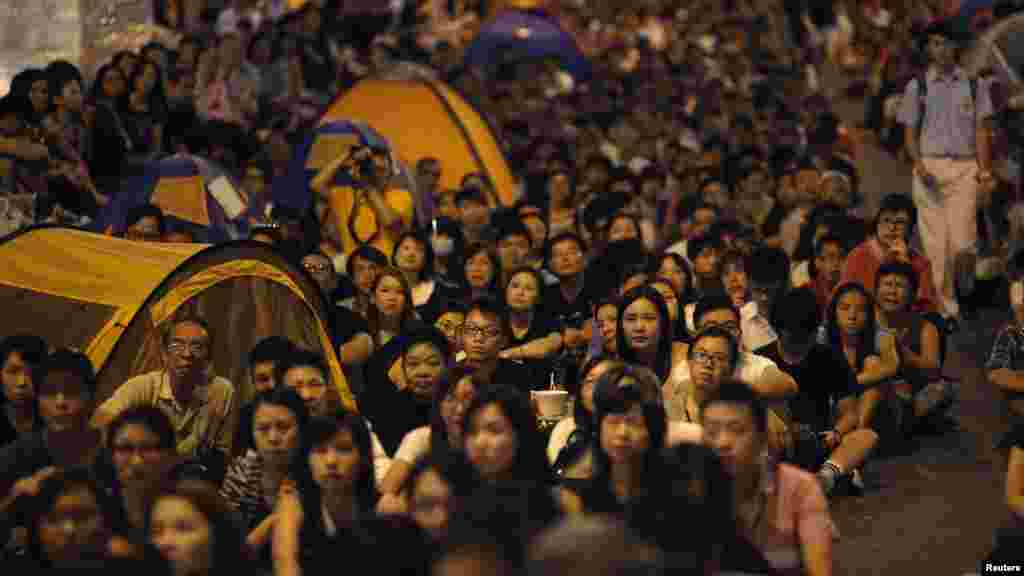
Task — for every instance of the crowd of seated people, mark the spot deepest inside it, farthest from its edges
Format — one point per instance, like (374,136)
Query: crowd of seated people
(688,272)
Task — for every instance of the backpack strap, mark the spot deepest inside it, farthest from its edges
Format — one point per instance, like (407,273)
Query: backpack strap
(922,98)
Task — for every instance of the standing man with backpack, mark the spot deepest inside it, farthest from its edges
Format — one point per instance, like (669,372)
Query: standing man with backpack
(945,116)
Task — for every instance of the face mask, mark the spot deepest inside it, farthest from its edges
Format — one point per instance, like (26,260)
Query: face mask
(442,245)
(1017,294)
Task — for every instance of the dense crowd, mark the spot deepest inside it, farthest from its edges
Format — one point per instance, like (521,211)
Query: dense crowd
(687,314)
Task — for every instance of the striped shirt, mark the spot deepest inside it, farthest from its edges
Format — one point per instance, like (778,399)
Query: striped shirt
(242,489)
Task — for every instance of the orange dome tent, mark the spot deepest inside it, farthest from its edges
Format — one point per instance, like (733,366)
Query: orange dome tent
(425,118)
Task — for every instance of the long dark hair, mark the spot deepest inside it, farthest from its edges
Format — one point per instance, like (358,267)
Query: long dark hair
(321,430)
(531,463)
(288,398)
(582,438)
(408,310)
(439,441)
(50,491)
(428,253)
(472,251)
(616,392)
(687,291)
(228,545)
(663,363)
(869,335)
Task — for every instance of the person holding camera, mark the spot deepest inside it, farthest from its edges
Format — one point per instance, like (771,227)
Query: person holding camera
(367,208)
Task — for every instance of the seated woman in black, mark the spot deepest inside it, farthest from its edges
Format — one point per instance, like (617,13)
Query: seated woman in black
(141,447)
(414,256)
(20,355)
(390,313)
(534,336)
(398,399)
(327,518)
(571,440)
(630,426)
(645,332)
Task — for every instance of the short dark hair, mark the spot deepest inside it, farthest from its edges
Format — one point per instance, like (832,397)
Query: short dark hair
(558,239)
(713,300)
(796,312)
(769,266)
(31,348)
(904,269)
(898,203)
(301,357)
(146,211)
(270,349)
(67,360)
(512,225)
(739,393)
(366,252)
(187,318)
(696,244)
(718,332)
(152,418)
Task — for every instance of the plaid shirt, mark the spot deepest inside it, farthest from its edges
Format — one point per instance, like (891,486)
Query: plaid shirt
(242,489)
(1008,349)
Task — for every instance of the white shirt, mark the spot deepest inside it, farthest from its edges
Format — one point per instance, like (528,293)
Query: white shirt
(750,369)
(757,330)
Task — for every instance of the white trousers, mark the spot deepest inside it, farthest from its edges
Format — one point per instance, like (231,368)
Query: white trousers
(946,222)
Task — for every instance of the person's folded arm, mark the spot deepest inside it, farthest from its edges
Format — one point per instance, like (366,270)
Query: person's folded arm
(357,350)
(538,349)
(1015,482)
(927,362)
(774,383)
(1007,379)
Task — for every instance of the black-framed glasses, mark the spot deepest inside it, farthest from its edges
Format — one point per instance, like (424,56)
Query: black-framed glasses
(179,347)
(469,331)
(709,359)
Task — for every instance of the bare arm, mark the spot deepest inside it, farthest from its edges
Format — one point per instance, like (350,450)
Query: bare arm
(1006,379)
(535,349)
(357,350)
(774,383)
(849,418)
(285,544)
(879,368)
(385,213)
(261,535)
(396,476)
(322,181)
(927,362)
(1015,482)
(23,149)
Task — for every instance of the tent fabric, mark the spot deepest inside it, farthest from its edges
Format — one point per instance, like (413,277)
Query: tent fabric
(194,193)
(74,288)
(523,35)
(422,119)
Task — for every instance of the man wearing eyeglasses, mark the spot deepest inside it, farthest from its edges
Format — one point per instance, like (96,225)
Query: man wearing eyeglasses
(484,334)
(200,405)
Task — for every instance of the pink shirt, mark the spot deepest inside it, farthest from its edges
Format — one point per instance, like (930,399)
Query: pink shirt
(796,516)
(862,266)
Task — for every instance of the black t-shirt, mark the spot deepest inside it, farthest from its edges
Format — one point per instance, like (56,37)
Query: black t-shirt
(345,324)
(542,326)
(823,378)
(772,224)
(566,314)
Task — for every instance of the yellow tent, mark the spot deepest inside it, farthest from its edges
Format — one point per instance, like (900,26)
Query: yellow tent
(423,118)
(110,297)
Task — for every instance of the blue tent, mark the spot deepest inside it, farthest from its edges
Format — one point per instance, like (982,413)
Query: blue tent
(519,35)
(195,194)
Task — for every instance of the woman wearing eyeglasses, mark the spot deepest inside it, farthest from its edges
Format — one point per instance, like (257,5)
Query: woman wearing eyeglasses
(140,445)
